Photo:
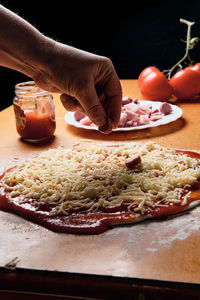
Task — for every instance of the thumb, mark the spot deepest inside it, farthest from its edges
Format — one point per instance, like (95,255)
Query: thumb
(93,108)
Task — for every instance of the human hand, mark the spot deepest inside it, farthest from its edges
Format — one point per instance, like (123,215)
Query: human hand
(77,75)
(86,82)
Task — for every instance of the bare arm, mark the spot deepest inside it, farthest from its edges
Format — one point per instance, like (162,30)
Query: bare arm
(56,67)
(21,45)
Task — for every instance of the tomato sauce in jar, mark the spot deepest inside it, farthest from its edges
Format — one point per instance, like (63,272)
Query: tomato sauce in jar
(34,112)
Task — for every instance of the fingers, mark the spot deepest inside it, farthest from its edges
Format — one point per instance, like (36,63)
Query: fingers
(99,95)
(95,110)
(107,128)
(70,103)
(114,101)
(92,106)
(113,94)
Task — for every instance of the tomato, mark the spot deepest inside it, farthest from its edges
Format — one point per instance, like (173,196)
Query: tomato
(154,85)
(147,71)
(186,83)
(196,67)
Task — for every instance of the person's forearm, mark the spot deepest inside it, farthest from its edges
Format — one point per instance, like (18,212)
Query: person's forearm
(59,68)
(22,47)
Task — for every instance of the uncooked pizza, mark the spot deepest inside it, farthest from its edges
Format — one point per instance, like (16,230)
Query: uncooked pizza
(87,190)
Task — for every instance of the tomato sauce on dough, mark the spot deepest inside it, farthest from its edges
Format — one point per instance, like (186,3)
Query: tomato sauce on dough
(88,223)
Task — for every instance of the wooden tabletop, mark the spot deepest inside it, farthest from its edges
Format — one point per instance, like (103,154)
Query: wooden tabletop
(165,250)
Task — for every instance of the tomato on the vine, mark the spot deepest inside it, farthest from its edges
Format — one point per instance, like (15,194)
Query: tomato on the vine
(186,83)
(195,67)
(147,71)
(154,85)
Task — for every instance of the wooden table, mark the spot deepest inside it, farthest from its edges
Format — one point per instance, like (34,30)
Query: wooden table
(152,258)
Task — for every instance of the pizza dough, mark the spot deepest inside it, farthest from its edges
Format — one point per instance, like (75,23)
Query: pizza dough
(87,189)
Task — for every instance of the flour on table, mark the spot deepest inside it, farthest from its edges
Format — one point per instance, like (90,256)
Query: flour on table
(154,235)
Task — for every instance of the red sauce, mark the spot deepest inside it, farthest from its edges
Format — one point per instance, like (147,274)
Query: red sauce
(87,223)
(79,223)
(34,126)
(162,212)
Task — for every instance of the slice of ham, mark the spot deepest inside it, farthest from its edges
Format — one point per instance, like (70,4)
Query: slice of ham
(86,121)
(155,111)
(144,110)
(126,100)
(131,116)
(132,107)
(131,123)
(123,119)
(165,108)
(135,100)
(78,115)
(133,162)
(143,120)
(156,116)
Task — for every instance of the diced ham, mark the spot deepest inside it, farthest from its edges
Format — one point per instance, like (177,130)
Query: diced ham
(126,100)
(165,108)
(156,116)
(133,113)
(149,106)
(144,110)
(78,115)
(135,100)
(86,121)
(132,107)
(123,119)
(143,120)
(132,162)
(131,123)
(131,116)
(155,111)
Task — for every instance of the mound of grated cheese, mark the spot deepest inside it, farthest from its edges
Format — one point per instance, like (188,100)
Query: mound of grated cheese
(96,177)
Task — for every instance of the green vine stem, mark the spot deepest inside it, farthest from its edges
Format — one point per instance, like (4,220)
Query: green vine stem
(190,43)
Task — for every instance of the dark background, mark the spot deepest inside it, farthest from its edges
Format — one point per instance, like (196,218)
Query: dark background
(133,34)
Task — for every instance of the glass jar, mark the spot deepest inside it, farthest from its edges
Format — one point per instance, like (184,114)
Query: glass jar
(34,112)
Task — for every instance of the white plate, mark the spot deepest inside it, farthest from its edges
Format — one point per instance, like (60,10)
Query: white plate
(173,116)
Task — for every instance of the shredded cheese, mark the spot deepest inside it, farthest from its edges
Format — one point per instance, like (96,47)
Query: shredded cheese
(94,178)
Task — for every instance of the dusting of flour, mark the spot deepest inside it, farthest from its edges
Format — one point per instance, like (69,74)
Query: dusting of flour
(154,235)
